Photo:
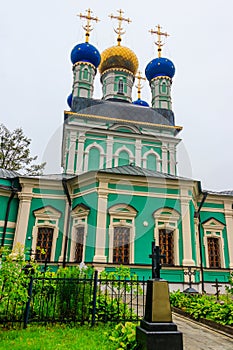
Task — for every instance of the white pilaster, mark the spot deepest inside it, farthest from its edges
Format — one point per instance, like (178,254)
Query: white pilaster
(25,197)
(80,157)
(138,154)
(109,151)
(101,223)
(71,153)
(229,229)
(172,161)
(186,229)
(164,158)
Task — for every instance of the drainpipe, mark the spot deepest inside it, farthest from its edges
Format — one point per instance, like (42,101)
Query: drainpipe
(65,187)
(13,192)
(197,215)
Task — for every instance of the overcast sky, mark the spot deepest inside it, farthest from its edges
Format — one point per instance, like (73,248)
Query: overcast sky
(36,72)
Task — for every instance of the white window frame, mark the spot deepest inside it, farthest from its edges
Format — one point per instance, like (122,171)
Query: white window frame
(122,212)
(118,151)
(167,219)
(86,155)
(46,214)
(158,159)
(79,215)
(214,227)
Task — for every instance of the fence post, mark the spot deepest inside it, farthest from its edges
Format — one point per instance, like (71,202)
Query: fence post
(27,309)
(94,298)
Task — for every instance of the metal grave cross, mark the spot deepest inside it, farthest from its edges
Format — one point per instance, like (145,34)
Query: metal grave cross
(217,285)
(156,260)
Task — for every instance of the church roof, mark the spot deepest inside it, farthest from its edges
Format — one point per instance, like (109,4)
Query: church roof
(122,111)
(138,171)
(8,174)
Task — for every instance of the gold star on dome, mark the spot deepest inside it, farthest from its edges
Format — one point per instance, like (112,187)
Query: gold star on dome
(88,28)
(119,30)
(159,42)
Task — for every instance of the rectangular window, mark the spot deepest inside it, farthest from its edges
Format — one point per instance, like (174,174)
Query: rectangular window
(79,244)
(166,244)
(121,245)
(214,252)
(44,244)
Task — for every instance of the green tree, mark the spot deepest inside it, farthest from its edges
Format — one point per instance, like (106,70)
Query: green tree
(15,152)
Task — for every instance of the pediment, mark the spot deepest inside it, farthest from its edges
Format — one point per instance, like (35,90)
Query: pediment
(80,210)
(47,212)
(213,224)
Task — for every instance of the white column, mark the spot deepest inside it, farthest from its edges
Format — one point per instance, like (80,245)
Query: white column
(67,213)
(229,229)
(164,157)
(80,157)
(138,154)
(109,152)
(186,229)
(25,198)
(71,153)
(100,242)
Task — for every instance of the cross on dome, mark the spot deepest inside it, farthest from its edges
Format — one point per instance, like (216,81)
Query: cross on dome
(119,30)
(88,28)
(139,84)
(159,42)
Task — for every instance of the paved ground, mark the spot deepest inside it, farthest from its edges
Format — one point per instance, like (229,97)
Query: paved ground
(197,337)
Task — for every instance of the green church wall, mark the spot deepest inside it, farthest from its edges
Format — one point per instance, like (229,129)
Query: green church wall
(145,206)
(222,276)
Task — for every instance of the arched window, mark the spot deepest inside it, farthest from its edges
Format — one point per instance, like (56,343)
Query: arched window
(94,159)
(123,158)
(167,234)
(120,87)
(151,162)
(121,234)
(164,87)
(85,74)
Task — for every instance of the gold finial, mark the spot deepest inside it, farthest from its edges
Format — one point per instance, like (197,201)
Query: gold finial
(139,85)
(159,42)
(88,28)
(119,29)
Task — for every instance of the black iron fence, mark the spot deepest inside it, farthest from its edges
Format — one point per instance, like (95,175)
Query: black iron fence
(76,300)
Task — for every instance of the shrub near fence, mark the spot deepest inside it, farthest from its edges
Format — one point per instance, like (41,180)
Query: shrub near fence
(86,298)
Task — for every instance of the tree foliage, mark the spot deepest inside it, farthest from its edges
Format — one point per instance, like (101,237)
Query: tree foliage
(15,152)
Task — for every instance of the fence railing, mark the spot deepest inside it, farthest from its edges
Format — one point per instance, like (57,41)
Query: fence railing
(77,300)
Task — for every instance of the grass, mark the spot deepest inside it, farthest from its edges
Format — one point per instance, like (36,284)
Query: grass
(57,337)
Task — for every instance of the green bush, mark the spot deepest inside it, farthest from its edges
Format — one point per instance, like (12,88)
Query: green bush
(204,306)
(124,336)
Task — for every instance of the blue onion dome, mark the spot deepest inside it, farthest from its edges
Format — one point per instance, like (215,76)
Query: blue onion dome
(69,100)
(85,52)
(160,66)
(140,102)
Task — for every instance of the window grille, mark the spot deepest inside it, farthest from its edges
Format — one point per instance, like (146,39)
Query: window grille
(121,245)
(166,244)
(214,252)
(44,243)
(79,244)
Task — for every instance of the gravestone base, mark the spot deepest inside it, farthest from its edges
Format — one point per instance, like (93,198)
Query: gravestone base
(159,336)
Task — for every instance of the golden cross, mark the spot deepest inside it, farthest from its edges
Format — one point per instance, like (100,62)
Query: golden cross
(139,85)
(88,28)
(159,42)
(119,29)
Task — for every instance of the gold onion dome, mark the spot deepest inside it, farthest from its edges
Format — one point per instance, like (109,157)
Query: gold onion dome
(118,57)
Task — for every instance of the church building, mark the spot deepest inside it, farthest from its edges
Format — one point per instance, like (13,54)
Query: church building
(119,190)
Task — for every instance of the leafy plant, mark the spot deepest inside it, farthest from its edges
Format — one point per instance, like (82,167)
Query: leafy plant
(124,336)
